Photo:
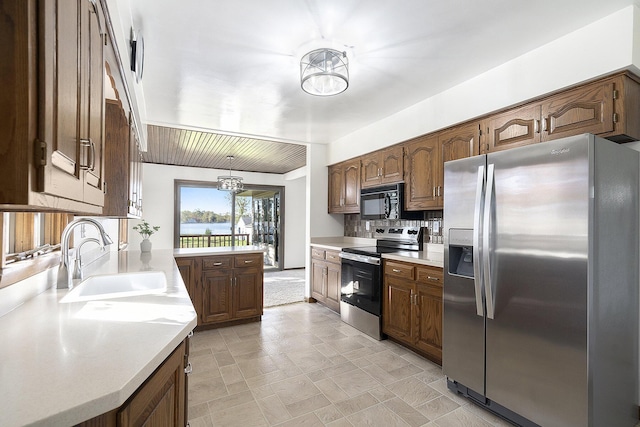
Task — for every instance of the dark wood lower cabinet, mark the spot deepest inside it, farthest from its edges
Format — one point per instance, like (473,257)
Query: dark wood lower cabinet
(224,288)
(412,307)
(161,401)
(326,277)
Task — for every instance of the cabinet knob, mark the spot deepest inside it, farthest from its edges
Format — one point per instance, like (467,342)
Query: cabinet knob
(188,369)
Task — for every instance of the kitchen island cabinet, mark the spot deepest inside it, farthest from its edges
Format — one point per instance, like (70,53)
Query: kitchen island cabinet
(412,306)
(225,284)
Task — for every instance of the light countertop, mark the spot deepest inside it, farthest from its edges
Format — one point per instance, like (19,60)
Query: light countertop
(225,250)
(338,242)
(66,362)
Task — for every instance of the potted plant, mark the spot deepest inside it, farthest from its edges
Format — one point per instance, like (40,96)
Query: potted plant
(145,230)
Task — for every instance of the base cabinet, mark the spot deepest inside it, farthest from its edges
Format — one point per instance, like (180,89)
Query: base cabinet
(224,288)
(326,277)
(412,307)
(161,401)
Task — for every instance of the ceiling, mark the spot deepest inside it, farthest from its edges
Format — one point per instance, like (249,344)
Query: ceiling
(232,67)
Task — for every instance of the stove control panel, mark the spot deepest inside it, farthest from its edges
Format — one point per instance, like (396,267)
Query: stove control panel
(410,234)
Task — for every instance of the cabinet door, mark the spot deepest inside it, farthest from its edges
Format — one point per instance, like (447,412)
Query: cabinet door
(318,280)
(457,143)
(397,308)
(333,286)
(335,189)
(92,102)
(422,173)
(116,202)
(588,109)
(160,401)
(392,165)
(513,128)
(60,97)
(217,294)
(371,170)
(135,177)
(247,293)
(428,331)
(351,176)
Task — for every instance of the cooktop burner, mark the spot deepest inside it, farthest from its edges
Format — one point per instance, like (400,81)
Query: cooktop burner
(391,239)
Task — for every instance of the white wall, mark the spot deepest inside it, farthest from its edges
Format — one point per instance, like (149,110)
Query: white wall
(607,45)
(158,204)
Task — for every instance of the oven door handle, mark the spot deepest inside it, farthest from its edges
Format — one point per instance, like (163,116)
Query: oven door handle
(360,258)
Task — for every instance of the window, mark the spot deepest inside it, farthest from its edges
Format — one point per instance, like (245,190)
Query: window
(207,217)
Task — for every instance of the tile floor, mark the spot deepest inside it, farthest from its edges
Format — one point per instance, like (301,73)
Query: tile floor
(303,366)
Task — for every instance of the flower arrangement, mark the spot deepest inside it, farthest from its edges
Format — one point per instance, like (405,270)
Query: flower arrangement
(145,229)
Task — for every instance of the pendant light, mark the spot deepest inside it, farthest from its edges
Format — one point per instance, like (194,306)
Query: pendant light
(230,182)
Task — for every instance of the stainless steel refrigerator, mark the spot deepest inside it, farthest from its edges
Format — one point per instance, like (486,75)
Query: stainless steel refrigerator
(541,282)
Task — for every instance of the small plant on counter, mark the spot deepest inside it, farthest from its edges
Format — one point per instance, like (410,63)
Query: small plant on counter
(145,229)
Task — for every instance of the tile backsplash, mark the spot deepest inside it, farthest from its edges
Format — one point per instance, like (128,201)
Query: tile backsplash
(432,224)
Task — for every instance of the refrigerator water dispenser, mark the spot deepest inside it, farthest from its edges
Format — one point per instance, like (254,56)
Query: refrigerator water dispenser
(461,252)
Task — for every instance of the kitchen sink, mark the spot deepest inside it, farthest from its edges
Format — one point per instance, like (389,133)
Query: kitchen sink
(117,286)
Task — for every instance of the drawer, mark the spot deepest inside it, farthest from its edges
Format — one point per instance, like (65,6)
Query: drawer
(397,269)
(431,275)
(333,256)
(248,260)
(317,253)
(210,263)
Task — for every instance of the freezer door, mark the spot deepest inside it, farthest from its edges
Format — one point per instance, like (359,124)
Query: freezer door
(463,335)
(536,331)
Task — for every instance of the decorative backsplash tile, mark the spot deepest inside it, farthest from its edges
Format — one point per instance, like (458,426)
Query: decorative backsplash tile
(432,224)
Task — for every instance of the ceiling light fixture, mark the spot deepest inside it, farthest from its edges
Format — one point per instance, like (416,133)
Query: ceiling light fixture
(324,72)
(230,182)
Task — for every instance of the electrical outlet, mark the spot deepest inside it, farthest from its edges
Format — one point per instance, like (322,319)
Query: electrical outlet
(366,225)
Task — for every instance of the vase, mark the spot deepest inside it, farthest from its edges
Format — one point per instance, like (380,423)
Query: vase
(145,245)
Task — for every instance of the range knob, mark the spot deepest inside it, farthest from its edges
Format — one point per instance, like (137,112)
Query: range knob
(380,230)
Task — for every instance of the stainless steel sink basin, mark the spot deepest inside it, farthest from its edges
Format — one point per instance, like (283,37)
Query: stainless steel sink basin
(117,286)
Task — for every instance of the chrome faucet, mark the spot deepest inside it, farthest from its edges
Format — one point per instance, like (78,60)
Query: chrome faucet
(65,281)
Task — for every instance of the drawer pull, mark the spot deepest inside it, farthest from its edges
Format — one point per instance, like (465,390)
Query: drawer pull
(395,270)
(248,261)
(433,278)
(189,369)
(217,263)
(190,334)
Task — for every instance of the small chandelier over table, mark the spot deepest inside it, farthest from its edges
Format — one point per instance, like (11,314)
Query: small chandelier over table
(230,182)
(324,72)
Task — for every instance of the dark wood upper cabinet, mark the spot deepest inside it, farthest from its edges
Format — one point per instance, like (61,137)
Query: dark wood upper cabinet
(382,167)
(344,187)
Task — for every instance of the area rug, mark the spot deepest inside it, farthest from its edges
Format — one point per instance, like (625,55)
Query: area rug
(283,287)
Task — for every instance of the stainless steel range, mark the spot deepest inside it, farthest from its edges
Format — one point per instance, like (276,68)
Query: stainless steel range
(361,291)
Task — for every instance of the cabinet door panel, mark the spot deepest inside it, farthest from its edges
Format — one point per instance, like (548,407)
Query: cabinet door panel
(584,110)
(217,290)
(428,337)
(318,280)
(392,165)
(93,96)
(397,309)
(335,189)
(513,128)
(423,170)
(247,295)
(60,97)
(352,187)
(370,170)
(333,286)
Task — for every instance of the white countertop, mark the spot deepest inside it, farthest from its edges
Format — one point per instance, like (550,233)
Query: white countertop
(224,250)
(338,242)
(64,363)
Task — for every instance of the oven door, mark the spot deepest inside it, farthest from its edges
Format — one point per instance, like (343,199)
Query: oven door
(361,283)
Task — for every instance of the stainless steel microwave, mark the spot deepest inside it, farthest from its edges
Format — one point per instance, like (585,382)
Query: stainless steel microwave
(385,202)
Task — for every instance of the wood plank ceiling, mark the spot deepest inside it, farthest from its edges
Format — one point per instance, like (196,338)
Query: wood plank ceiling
(181,147)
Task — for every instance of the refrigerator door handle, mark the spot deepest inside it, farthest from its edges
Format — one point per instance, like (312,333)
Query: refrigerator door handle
(477,222)
(486,234)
